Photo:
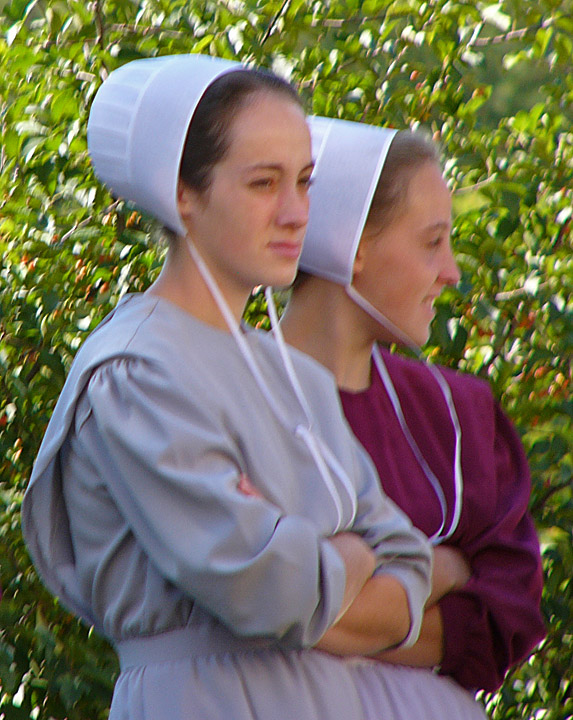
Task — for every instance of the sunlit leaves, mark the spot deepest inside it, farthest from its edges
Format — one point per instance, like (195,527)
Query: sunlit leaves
(491,81)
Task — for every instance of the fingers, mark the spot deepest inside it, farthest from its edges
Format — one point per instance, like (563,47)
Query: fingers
(246,487)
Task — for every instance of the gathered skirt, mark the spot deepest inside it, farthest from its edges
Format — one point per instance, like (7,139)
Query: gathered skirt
(254,682)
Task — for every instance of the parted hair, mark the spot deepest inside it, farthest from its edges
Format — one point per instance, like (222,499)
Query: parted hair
(207,139)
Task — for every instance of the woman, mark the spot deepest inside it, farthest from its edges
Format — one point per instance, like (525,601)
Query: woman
(135,514)
(377,254)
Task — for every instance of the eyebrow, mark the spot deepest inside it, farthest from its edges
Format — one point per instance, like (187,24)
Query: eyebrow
(276,167)
(440,225)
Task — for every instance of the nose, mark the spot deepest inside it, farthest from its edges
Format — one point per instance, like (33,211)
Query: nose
(449,273)
(294,207)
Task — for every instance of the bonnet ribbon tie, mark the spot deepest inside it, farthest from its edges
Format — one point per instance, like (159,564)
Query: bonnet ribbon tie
(324,459)
(437,537)
(306,434)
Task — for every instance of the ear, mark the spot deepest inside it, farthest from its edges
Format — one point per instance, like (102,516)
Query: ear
(186,201)
(359,259)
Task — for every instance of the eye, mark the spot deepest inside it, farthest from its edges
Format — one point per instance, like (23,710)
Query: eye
(262,183)
(306,181)
(435,242)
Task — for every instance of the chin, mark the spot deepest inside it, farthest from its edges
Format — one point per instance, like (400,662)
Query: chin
(418,333)
(420,329)
(283,279)
(419,336)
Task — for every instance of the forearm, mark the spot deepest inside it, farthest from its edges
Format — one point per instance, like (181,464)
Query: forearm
(429,648)
(450,571)
(358,558)
(378,618)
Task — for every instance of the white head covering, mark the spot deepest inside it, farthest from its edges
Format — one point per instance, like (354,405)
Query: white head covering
(138,124)
(349,158)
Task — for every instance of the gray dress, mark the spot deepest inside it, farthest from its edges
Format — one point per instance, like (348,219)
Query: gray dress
(212,599)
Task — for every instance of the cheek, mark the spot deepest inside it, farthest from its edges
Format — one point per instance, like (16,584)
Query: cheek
(398,295)
(384,288)
(257,209)
(393,276)
(403,285)
(241,215)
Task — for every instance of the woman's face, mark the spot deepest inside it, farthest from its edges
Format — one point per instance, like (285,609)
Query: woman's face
(250,222)
(403,268)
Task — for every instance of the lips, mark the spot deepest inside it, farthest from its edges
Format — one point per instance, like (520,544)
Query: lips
(286,249)
(428,304)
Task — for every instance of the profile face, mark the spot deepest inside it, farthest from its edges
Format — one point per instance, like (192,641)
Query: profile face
(404,267)
(250,223)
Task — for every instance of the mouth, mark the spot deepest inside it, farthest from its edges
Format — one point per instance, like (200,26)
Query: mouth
(287,249)
(428,303)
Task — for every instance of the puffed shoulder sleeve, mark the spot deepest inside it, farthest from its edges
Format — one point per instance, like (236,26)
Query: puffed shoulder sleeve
(401,549)
(495,620)
(172,468)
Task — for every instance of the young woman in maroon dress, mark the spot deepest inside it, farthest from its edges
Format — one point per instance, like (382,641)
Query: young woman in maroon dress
(377,254)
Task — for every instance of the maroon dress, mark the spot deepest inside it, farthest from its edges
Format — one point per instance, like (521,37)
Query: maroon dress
(495,620)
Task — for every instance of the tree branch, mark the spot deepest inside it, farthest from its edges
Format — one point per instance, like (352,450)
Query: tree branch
(475,186)
(516,292)
(541,501)
(98,16)
(518,34)
(504,37)
(274,22)
(149,30)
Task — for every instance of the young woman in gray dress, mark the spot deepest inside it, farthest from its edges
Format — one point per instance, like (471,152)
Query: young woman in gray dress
(217,600)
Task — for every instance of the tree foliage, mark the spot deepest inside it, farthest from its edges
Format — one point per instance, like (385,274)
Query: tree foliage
(490,81)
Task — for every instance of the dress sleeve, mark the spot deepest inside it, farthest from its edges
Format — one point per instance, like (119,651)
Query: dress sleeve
(402,550)
(495,621)
(172,469)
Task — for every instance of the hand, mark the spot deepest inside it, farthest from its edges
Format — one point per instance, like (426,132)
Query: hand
(451,572)
(359,562)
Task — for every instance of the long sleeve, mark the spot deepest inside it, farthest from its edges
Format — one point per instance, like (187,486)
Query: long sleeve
(402,550)
(133,514)
(173,471)
(495,621)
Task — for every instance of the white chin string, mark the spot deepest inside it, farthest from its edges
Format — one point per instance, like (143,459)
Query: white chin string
(324,459)
(401,337)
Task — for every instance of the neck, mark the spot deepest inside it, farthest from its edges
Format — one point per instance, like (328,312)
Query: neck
(181,283)
(323,322)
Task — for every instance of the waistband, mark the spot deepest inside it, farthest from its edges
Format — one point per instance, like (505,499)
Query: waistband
(191,641)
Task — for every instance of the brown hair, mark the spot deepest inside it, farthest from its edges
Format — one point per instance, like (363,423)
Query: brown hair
(408,151)
(208,136)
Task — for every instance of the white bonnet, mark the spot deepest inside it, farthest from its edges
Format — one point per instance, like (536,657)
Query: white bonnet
(138,124)
(349,158)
